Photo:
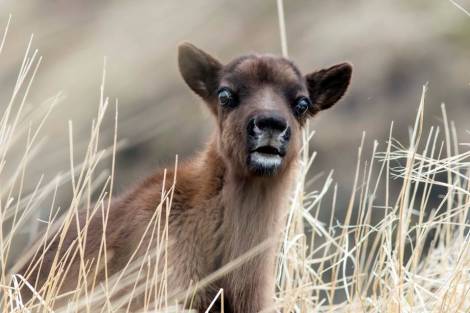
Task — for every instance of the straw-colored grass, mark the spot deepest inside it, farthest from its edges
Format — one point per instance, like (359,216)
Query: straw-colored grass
(393,252)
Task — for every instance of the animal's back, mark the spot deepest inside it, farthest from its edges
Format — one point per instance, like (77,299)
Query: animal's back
(136,224)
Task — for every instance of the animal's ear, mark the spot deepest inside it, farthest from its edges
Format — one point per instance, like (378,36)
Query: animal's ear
(327,86)
(199,70)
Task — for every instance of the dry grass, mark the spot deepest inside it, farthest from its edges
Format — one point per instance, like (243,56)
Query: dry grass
(416,258)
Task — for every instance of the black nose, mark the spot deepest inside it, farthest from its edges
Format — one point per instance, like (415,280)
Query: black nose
(268,133)
(268,123)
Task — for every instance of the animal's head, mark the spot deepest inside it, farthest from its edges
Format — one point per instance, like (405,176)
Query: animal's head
(261,103)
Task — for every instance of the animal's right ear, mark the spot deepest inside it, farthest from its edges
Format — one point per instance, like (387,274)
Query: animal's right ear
(199,70)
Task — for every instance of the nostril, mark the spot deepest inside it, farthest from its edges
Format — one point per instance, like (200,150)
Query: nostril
(270,123)
(252,128)
(286,134)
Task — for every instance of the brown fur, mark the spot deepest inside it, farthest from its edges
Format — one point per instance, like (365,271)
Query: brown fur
(220,208)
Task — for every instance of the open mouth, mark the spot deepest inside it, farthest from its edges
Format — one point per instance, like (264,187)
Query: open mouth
(268,150)
(265,160)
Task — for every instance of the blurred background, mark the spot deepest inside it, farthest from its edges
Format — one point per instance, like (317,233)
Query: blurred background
(395,46)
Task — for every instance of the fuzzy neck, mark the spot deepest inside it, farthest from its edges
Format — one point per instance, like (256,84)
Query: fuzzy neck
(253,207)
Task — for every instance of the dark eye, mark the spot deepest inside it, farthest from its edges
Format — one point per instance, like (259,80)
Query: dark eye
(301,106)
(226,97)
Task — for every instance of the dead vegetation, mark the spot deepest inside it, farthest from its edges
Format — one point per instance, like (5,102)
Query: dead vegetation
(416,259)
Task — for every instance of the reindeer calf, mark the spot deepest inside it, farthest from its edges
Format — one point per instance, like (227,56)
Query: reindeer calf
(233,195)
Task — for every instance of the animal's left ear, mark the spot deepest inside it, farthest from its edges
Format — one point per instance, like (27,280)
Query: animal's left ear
(327,86)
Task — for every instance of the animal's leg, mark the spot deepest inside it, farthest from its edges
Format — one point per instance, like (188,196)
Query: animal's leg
(251,289)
